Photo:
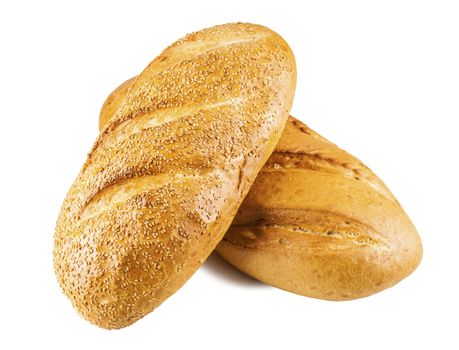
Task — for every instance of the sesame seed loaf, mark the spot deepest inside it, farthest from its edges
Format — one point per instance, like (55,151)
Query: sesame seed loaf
(316,221)
(170,169)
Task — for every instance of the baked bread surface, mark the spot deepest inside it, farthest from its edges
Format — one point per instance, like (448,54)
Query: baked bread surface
(170,169)
(316,222)
(319,223)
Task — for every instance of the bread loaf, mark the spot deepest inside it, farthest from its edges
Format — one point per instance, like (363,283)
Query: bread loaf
(316,222)
(170,169)
(319,223)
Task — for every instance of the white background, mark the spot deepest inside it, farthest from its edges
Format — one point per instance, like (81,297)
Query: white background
(379,78)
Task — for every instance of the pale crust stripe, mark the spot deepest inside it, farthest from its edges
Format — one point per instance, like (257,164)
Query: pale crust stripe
(159,117)
(126,189)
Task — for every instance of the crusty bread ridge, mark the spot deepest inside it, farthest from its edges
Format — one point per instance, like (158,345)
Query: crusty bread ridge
(170,169)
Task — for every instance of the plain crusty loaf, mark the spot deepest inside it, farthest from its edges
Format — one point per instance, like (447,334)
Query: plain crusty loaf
(170,169)
(316,222)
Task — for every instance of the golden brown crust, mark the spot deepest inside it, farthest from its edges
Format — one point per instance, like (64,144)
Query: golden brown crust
(317,222)
(113,102)
(170,169)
